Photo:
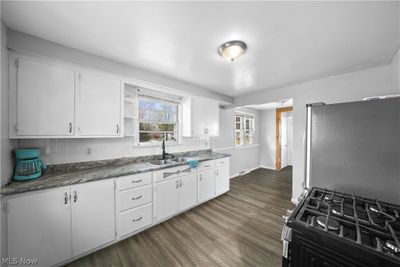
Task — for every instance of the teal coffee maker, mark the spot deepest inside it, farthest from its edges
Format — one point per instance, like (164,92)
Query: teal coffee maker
(28,164)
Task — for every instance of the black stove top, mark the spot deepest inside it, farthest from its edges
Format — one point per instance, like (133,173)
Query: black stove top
(370,224)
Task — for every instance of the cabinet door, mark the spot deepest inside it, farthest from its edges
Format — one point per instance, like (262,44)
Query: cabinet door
(203,119)
(199,116)
(98,105)
(166,199)
(213,118)
(93,215)
(45,99)
(187,192)
(222,179)
(39,227)
(206,185)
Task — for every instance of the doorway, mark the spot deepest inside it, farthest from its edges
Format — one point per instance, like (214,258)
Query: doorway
(284,137)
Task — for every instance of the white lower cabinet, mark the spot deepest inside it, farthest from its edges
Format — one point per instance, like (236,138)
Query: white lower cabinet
(93,215)
(222,179)
(135,219)
(58,224)
(206,185)
(175,195)
(166,199)
(187,192)
(39,227)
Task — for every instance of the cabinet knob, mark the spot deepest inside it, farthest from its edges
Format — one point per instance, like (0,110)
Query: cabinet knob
(70,127)
(117,128)
(177,184)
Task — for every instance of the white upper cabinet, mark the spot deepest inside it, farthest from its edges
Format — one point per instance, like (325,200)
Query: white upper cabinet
(99,105)
(200,117)
(42,102)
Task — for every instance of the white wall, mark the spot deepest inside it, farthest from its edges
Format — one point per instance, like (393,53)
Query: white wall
(267,139)
(76,150)
(334,89)
(243,158)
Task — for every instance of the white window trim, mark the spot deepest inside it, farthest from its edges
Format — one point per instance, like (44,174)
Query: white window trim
(166,98)
(242,130)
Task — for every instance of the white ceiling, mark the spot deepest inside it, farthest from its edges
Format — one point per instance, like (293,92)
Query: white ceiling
(288,42)
(273,105)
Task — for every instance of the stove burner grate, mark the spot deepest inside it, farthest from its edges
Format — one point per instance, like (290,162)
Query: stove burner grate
(329,224)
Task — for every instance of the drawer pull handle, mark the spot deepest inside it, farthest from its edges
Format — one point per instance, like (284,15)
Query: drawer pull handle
(136,181)
(135,198)
(138,219)
(207,166)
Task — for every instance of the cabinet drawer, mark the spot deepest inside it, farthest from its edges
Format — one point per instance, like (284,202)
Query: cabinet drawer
(135,197)
(171,173)
(222,162)
(206,165)
(135,180)
(133,220)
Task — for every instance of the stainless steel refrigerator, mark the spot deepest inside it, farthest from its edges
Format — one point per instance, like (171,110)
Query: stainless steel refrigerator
(355,148)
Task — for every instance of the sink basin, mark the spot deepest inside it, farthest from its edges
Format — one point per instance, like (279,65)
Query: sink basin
(161,162)
(178,160)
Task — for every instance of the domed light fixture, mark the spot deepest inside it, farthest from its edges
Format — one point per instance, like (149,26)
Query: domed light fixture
(232,50)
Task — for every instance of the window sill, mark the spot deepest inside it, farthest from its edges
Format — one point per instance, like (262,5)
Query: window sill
(158,144)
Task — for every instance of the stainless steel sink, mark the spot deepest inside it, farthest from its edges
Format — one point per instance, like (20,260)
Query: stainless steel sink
(161,162)
(178,160)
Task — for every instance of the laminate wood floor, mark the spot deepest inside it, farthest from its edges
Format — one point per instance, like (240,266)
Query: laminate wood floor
(239,228)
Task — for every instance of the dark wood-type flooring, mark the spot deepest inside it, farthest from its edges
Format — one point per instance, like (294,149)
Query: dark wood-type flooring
(239,228)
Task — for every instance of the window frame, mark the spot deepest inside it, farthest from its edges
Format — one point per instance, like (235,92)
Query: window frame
(177,129)
(243,117)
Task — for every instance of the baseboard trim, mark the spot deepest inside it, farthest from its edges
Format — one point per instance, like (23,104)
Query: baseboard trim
(267,167)
(244,172)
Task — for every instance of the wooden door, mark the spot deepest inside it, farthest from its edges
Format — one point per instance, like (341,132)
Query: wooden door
(45,99)
(187,192)
(166,199)
(98,105)
(39,227)
(93,215)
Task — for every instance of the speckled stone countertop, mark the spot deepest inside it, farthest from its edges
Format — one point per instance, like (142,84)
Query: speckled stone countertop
(81,172)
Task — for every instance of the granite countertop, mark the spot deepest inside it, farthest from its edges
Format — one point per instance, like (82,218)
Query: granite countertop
(76,173)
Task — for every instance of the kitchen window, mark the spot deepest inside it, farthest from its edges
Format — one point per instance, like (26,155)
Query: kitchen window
(244,129)
(158,120)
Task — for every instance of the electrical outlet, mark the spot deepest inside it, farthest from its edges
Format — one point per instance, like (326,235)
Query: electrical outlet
(89,151)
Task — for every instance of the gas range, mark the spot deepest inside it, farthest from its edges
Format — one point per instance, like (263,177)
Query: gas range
(337,229)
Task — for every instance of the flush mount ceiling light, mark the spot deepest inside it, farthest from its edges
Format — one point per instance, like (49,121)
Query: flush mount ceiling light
(232,50)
